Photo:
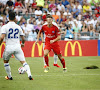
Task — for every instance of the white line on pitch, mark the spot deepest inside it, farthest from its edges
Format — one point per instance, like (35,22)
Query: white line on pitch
(71,75)
(64,75)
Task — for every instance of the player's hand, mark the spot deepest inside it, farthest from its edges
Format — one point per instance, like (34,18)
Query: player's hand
(51,41)
(36,41)
(22,45)
(43,41)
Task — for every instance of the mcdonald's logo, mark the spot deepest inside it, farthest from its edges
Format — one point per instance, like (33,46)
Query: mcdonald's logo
(1,48)
(73,48)
(40,46)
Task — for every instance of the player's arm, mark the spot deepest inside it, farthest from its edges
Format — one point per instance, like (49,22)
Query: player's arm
(39,35)
(57,39)
(22,36)
(2,38)
(23,41)
(42,38)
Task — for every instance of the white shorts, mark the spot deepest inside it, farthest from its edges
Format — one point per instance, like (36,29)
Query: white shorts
(15,50)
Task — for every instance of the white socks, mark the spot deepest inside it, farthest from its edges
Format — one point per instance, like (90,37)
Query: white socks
(44,61)
(27,68)
(55,59)
(8,69)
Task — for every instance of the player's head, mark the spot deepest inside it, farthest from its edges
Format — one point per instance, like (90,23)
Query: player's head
(12,16)
(49,19)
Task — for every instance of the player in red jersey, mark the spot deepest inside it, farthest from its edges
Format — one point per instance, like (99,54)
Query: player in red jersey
(51,41)
(55,55)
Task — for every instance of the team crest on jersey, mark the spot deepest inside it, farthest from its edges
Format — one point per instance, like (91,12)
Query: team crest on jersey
(53,32)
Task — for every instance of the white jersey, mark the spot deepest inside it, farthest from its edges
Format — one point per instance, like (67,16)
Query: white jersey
(13,33)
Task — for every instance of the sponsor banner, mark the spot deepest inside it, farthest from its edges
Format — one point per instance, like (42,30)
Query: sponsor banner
(79,48)
(2,47)
(68,48)
(98,47)
(33,50)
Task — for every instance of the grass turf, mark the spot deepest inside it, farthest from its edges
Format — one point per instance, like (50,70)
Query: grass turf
(76,78)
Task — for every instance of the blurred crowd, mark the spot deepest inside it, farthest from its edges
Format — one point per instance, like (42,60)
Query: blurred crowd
(76,19)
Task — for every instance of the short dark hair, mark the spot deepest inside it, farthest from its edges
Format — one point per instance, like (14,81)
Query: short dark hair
(11,15)
(49,16)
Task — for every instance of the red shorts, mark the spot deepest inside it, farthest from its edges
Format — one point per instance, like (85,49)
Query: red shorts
(54,47)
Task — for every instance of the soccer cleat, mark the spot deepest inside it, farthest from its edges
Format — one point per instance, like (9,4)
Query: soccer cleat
(56,65)
(30,78)
(64,69)
(44,66)
(46,69)
(7,78)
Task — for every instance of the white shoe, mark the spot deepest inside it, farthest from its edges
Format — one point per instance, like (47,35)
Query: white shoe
(64,69)
(46,69)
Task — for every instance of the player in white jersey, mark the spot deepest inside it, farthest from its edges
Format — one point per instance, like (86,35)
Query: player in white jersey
(55,55)
(12,33)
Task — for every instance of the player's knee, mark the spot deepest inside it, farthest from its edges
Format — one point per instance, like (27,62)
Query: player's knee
(45,54)
(60,57)
(6,61)
(22,62)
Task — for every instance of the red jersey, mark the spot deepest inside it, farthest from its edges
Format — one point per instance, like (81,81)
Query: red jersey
(34,5)
(97,15)
(18,4)
(50,33)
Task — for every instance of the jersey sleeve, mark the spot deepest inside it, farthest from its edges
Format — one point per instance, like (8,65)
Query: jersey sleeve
(21,32)
(57,31)
(3,30)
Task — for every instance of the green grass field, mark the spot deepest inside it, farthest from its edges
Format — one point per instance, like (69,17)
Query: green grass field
(76,78)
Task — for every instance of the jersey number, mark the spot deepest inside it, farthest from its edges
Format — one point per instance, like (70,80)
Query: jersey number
(11,31)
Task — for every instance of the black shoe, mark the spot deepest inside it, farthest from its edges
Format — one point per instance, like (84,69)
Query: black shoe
(30,78)
(7,78)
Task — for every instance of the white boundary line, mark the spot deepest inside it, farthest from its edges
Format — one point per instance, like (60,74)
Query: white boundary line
(62,75)
(70,75)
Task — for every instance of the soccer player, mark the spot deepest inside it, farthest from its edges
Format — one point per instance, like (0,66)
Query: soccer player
(51,41)
(12,33)
(55,55)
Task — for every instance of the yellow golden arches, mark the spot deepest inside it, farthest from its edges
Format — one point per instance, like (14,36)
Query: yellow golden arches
(73,48)
(40,47)
(1,48)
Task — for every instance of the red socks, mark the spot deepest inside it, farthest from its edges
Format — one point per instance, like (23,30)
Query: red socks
(63,62)
(46,60)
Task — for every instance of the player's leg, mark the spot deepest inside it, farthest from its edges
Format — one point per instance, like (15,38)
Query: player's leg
(8,70)
(43,58)
(20,56)
(63,62)
(57,50)
(55,61)
(44,63)
(6,57)
(27,69)
(46,51)
(55,58)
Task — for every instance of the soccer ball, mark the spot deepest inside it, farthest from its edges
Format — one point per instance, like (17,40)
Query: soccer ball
(21,70)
